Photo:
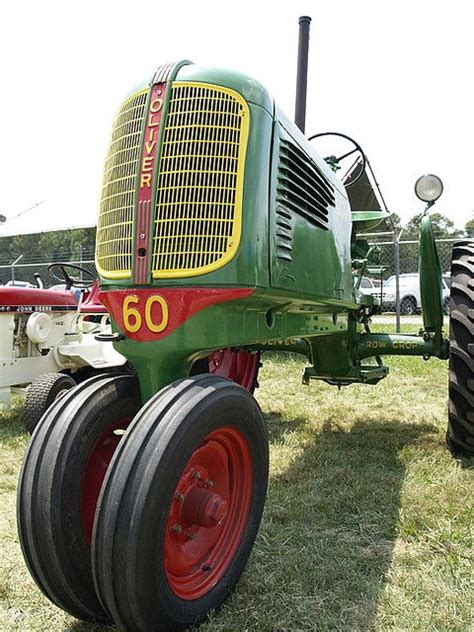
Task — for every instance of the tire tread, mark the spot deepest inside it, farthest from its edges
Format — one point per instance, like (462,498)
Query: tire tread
(460,433)
(158,425)
(38,397)
(39,516)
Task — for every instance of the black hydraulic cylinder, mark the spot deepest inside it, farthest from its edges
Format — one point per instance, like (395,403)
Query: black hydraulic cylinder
(302,72)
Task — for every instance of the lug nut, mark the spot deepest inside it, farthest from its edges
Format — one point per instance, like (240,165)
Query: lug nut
(179,498)
(177,528)
(191,535)
(209,483)
(196,474)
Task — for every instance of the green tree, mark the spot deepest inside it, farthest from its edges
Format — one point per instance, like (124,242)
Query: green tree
(2,218)
(469,228)
(44,248)
(443,227)
(395,221)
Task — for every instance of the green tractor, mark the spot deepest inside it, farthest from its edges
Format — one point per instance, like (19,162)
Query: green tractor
(221,234)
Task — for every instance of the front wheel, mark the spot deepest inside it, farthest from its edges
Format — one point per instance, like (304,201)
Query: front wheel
(60,481)
(460,434)
(181,505)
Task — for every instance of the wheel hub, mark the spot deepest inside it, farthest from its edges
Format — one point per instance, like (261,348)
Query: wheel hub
(203,508)
(208,512)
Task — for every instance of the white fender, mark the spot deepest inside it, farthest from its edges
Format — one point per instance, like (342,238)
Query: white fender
(39,327)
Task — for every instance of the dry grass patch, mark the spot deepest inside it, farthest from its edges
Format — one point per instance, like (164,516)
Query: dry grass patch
(367,524)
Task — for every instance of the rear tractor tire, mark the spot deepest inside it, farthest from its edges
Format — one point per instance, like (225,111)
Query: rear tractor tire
(60,481)
(181,505)
(41,393)
(460,434)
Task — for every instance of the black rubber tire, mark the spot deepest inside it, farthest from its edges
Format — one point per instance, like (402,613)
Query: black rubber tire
(88,371)
(52,536)
(408,306)
(460,434)
(41,393)
(127,554)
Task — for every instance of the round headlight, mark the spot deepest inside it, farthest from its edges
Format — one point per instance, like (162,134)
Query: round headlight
(429,188)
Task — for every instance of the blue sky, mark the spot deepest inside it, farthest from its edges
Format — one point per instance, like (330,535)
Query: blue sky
(395,76)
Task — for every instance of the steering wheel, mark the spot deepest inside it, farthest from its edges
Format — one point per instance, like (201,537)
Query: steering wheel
(59,272)
(334,161)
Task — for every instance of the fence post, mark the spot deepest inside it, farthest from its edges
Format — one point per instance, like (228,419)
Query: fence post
(13,267)
(397,281)
(80,260)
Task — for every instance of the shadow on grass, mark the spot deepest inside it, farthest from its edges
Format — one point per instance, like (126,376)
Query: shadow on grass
(330,526)
(326,543)
(467,463)
(278,427)
(81,626)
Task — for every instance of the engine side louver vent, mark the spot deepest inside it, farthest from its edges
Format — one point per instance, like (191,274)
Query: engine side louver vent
(284,234)
(302,188)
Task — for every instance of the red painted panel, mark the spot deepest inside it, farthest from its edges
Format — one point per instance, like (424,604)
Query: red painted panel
(91,303)
(180,304)
(30,297)
(145,184)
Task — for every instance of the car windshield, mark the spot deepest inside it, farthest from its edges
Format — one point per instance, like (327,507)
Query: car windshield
(410,279)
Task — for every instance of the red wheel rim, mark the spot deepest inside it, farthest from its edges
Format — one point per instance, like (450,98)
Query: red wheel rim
(208,513)
(239,366)
(99,459)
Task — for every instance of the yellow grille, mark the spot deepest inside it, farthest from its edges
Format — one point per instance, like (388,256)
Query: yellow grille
(115,224)
(200,182)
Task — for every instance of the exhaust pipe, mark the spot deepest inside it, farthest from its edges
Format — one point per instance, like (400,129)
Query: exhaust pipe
(302,72)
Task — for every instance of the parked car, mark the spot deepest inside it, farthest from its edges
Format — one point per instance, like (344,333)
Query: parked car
(370,286)
(446,291)
(410,300)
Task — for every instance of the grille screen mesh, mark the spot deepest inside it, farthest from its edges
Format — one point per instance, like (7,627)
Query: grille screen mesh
(114,227)
(200,182)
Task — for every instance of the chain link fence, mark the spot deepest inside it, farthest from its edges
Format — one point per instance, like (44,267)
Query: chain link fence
(407,253)
(19,272)
(396,257)
(400,262)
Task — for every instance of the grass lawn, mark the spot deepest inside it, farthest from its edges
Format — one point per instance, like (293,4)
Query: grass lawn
(367,524)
